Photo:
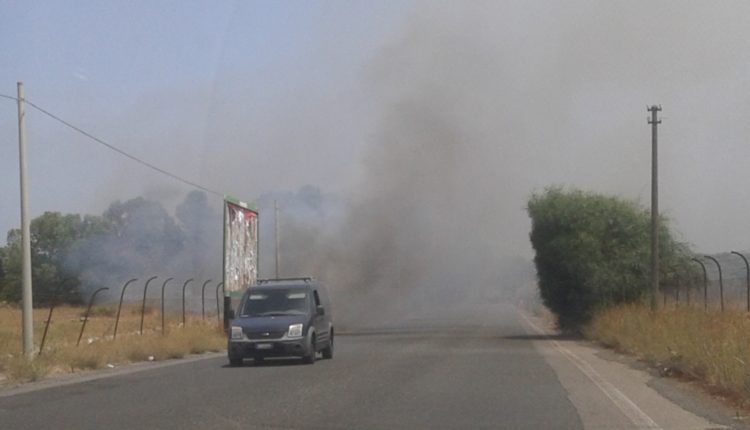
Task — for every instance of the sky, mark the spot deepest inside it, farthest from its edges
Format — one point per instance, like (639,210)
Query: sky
(254,97)
(205,90)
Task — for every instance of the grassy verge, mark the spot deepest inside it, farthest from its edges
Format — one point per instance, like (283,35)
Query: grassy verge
(712,347)
(97,348)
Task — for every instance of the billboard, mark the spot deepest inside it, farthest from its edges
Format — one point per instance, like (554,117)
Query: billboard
(240,246)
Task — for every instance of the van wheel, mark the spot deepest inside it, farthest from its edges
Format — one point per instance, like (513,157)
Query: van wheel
(328,351)
(311,352)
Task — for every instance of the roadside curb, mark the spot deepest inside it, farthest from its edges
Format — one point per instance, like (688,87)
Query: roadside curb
(94,375)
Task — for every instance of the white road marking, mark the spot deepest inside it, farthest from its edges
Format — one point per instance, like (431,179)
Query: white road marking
(639,418)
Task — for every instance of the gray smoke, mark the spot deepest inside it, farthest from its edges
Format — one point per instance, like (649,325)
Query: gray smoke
(428,226)
(142,239)
(466,109)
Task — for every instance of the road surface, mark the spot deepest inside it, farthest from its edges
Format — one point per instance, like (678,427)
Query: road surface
(490,368)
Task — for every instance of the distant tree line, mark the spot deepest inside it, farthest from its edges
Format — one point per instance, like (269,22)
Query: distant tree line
(74,253)
(593,251)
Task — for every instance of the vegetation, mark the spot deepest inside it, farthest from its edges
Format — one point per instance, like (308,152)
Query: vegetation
(73,254)
(97,348)
(592,251)
(713,346)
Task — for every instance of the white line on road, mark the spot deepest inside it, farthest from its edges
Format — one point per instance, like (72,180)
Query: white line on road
(639,418)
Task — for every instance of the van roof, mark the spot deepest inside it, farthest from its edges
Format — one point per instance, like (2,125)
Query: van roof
(277,280)
(284,284)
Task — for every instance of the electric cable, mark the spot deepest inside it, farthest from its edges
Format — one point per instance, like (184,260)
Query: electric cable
(116,149)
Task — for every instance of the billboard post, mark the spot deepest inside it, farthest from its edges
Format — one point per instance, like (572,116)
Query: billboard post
(240,256)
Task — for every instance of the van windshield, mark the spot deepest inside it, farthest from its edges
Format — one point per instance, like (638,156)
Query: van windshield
(276,302)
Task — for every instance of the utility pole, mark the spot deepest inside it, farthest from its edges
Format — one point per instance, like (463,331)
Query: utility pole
(276,234)
(654,121)
(27,317)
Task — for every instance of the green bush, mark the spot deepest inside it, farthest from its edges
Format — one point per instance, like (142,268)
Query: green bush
(592,251)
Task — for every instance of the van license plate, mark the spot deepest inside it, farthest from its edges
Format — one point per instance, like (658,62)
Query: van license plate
(263,346)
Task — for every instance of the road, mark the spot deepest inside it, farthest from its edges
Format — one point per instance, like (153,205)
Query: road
(486,369)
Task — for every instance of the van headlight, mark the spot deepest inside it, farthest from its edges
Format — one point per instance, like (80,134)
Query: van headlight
(236,332)
(295,330)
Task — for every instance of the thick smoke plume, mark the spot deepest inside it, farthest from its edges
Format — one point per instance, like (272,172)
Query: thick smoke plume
(427,226)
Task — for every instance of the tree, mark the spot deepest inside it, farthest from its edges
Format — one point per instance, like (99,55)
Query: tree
(132,239)
(73,254)
(592,251)
(52,236)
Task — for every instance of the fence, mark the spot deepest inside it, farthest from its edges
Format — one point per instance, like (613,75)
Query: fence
(170,295)
(723,281)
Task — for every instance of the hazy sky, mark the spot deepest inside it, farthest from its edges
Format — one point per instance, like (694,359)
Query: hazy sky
(252,97)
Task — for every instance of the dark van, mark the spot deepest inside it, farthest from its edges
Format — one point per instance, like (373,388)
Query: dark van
(282,318)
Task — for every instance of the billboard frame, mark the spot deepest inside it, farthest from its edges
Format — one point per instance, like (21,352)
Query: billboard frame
(249,208)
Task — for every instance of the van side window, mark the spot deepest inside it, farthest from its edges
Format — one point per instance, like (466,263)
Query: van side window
(317,299)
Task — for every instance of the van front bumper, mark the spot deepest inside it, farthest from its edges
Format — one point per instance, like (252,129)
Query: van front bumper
(279,348)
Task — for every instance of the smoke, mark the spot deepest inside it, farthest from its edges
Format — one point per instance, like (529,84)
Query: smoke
(479,104)
(139,238)
(428,225)
(461,113)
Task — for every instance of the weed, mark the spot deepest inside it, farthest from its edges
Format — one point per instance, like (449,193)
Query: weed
(22,370)
(102,311)
(712,346)
(98,348)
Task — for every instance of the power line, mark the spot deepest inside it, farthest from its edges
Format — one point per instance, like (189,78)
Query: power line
(116,149)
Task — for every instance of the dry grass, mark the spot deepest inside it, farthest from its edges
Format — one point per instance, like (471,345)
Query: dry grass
(712,347)
(98,349)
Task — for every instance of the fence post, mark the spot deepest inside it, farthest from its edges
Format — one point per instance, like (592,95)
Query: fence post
(162,304)
(218,310)
(203,299)
(51,308)
(705,283)
(184,323)
(143,305)
(747,276)
(721,281)
(88,309)
(119,307)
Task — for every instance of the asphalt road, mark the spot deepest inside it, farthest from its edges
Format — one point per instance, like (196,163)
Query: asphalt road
(480,370)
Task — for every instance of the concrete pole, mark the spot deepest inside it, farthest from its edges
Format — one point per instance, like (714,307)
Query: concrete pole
(654,204)
(276,234)
(28,309)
